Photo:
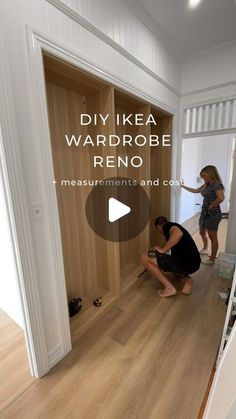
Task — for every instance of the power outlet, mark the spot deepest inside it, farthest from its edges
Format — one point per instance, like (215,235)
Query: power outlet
(37,212)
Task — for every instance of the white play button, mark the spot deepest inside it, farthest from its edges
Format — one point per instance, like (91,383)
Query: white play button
(117,209)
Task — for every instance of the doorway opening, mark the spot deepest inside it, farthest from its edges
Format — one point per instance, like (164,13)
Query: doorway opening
(198,152)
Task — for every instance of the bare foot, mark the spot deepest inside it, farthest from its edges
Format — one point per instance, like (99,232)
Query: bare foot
(187,288)
(167,292)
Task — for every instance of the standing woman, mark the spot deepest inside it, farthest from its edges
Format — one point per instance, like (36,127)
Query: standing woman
(213,194)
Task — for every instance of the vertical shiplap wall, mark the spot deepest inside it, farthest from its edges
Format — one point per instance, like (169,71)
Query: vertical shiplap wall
(121,25)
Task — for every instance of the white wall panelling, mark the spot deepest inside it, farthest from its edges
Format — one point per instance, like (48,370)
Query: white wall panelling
(123,26)
(115,22)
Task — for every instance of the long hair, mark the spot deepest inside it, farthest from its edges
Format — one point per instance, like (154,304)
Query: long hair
(212,173)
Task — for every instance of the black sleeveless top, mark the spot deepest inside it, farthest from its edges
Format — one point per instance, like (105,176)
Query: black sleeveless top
(185,250)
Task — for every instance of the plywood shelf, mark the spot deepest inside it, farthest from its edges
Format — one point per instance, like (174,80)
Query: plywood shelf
(89,312)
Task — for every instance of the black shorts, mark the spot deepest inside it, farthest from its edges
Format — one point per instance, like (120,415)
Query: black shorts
(169,263)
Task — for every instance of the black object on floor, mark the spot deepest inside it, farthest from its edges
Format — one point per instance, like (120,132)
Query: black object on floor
(97,302)
(75,306)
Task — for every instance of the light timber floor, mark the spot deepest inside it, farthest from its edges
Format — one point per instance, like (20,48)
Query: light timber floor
(221,234)
(146,358)
(15,375)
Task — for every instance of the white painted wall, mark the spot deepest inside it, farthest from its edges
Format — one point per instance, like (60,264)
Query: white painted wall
(9,291)
(217,150)
(212,70)
(232,411)
(156,73)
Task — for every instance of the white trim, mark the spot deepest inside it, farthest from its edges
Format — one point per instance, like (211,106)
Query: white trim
(175,155)
(20,226)
(35,47)
(55,355)
(62,7)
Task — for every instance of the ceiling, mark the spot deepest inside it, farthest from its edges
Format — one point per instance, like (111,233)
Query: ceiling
(190,31)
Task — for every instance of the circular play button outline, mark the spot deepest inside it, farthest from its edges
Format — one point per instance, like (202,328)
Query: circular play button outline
(129,203)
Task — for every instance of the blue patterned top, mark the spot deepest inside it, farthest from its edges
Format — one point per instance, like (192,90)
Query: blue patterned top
(209,192)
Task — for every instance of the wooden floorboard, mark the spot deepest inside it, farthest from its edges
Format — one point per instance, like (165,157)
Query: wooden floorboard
(146,358)
(15,375)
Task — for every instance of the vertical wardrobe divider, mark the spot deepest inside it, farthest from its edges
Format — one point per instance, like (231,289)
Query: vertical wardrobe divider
(160,168)
(112,260)
(130,251)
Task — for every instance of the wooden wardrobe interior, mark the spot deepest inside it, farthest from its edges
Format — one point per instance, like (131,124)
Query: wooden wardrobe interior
(93,266)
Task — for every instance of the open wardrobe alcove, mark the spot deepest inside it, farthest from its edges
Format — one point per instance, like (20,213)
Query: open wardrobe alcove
(95,267)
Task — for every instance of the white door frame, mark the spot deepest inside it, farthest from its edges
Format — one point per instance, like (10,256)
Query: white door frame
(17,207)
(229,155)
(209,133)
(38,43)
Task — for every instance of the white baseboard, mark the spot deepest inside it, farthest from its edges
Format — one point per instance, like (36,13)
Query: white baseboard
(55,355)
